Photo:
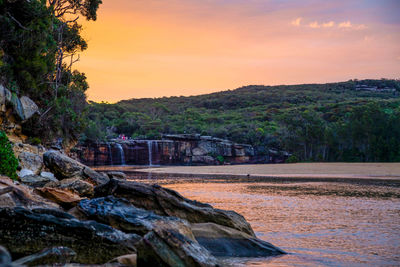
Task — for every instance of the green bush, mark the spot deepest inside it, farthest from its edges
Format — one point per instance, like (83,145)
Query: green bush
(220,159)
(8,161)
(35,141)
(292,159)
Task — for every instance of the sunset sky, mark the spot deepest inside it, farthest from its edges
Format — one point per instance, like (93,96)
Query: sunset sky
(155,48)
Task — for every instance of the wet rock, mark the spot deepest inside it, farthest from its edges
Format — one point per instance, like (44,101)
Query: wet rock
(29,107)
(64,198)
(55,255)
(65,167)
(76,185)
(166,202)
(122,215)
(169,248)
(5,257)
(117,175)
(31,162)
(36,180)
(223,241)
(25,231)
(21,195)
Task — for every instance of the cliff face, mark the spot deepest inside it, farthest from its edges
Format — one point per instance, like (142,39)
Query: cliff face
(173,149)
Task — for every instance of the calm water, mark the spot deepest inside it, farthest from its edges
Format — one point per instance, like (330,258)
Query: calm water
(318,223)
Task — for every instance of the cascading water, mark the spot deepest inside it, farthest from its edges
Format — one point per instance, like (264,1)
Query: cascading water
(149,148)
(121,153)
(110,153)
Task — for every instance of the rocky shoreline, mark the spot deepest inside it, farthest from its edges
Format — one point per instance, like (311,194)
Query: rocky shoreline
(64,212)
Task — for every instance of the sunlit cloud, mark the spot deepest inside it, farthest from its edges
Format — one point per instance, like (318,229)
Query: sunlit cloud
(348,25)
(296,22)
(328,24)
(314,25)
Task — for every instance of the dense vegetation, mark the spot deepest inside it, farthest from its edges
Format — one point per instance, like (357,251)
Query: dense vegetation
(9,162)
(314,122)
(39,42)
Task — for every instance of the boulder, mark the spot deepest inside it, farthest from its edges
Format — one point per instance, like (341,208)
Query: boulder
(64,198)
(25,172)
(36,180)
(17,107)
(55,255)
(21,195)
(65,167)
(25,231)
(126,260)
(2,99)
(117,175)
(167,202)
(29,107)
(163,247)
(48,175)
(76,185)
(122,215)
(223,241)
(31,162)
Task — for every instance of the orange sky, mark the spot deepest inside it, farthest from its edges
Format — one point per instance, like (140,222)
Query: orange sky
(155,48)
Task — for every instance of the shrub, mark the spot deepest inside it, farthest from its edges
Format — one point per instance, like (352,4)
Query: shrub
(220,159)
(8,161)
(292,159)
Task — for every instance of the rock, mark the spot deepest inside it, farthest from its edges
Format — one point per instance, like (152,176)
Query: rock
(126,260)
(166,202)
(55,255)
(117,175)
(36,180)
(122,215)
(29,107)
(76,185)
(65,167)
(223,241)
(25,172)
(64,198)
(17,107)
(169,248)
(21,195)
(2,99)
(5,257)
(49,176)
(61,165)
(31,162)
(26,231)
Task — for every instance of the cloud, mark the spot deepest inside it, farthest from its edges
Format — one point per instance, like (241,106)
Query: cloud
(328,24)
(314,25)
(349,26)
(296,22)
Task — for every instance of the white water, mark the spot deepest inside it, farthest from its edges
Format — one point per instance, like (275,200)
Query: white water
(121,152)
(149,148)
(110,153)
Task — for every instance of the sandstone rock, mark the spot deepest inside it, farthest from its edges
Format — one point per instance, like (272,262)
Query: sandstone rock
(2,99)
(64,198)
(126,260)
(29,107)
(17,107)
(167,202)
(76,185)
(26,231)
(31,162)
(36,180)
(61,165)
(122,215)
(65,167)
(55,255)
(25,172)
(169,248)
(21,195)
(48,175)
(5,257)
(223,241)
(117,175)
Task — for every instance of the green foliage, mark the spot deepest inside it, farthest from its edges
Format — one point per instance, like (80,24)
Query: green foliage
(34,141)
(220,159)
(8,162)
(292,159)
(314,122)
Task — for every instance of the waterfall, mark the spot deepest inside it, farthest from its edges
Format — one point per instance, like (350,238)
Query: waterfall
(149,148)
(121,152)
(110,153)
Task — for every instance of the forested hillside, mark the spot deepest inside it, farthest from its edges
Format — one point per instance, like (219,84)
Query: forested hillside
(346,121)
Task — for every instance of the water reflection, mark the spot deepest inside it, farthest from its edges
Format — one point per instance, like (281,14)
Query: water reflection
(320,224)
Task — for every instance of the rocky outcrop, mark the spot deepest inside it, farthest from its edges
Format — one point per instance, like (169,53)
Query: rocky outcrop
(163,247)
(23,107)
(64,198)
(31,161)
(75,185)
(223,241)
(172,150)
(24,232)
(55,255)
(65,167)
(37,180)
(167,202)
